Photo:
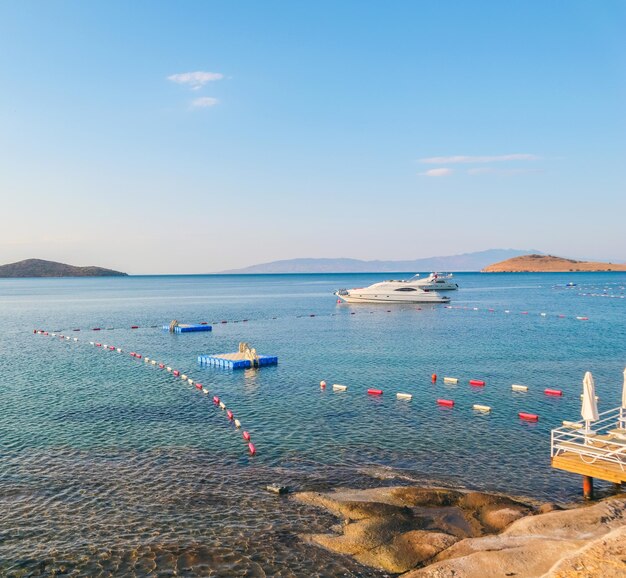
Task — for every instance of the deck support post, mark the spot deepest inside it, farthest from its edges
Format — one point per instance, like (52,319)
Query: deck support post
(617,488)
(588,487)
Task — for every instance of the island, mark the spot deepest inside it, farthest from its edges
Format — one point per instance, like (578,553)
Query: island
(549,264)
(41,268)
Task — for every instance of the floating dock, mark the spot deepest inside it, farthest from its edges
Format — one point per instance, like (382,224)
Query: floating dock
(244,358)
(187,327)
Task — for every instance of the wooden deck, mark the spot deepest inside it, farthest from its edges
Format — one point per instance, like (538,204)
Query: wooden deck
(602,470)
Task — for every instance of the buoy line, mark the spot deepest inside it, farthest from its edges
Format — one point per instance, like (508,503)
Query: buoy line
(217,402)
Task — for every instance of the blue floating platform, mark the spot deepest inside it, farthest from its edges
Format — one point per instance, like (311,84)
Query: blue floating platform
(189,327)
(223,362)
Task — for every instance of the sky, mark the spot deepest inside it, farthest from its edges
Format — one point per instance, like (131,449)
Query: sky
(193,137)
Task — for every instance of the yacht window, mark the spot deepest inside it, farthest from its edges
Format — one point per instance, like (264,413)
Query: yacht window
(406,289)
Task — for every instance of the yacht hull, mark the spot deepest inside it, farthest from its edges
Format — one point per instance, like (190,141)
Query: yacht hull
(365,298)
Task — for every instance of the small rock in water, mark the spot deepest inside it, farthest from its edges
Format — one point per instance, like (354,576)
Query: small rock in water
(276,489)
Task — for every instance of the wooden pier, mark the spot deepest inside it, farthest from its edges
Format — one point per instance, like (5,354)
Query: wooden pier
(599,453)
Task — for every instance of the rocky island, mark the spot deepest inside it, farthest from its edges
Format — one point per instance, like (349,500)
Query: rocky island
(549,264)
(41,268)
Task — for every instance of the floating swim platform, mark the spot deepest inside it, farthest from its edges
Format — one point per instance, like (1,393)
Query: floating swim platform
(187,328)
(242,359)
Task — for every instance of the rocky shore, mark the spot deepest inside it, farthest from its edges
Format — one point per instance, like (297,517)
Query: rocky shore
(442,533)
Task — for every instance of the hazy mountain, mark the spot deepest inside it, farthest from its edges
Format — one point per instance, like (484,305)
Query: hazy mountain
(464,262)
(41,268)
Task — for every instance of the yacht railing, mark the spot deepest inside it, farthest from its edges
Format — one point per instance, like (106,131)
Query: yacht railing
(604,442)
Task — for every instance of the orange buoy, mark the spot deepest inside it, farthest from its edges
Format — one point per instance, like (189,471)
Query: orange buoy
(375,391)
(552,392)
(246,436)
(433,377)
(251,448)
(528,416)
(477,382)
(446,402)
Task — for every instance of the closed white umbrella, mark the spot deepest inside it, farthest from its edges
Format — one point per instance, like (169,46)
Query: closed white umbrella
(589,411)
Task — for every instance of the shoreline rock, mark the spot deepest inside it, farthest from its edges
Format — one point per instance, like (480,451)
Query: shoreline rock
(441,533)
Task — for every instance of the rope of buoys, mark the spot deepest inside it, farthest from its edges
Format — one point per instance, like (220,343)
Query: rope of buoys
(199,386)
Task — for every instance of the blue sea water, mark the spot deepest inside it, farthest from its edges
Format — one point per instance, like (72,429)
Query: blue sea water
(110,466)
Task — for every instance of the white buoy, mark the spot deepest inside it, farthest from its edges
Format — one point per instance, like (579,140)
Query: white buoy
(404,396)
(75,338)
(153,362)
(338,387)
(190,381)
(183,377)
(543,314)
(146,359)
(119,350)
(237,423)
(169,369)
(222,405)
(519,387)
(91,343)
(323,384)
(205,390)
(451,380)
(479,407)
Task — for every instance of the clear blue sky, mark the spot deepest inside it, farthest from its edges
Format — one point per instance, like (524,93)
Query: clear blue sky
(373,130)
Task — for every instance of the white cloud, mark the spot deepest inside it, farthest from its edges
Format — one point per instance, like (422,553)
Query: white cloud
(195,80)
(204,101)
(443,172)
(492,171)
(459,159)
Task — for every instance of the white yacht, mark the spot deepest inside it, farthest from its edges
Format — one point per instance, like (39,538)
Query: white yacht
(393,292)
(436,282)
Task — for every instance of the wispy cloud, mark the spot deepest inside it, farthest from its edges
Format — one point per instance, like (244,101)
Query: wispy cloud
(467,159)
(195,80)
(494,171)
(443,172)
(204,101)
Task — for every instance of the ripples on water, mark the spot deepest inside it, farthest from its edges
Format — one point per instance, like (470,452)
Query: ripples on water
(111,467)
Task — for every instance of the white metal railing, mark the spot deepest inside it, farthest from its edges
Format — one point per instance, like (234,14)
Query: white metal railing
(605,442)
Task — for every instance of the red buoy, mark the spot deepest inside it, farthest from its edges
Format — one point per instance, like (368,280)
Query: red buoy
(216,399)
(96,329)
(138,355)
(98,344)
(134,326)
(132,354)
(198,385)
(230,414)
(111,347)
(477,382)
(552,392)
(161,365)
(246,436)
(251,448)
(528,416)
(375,391)
(433,377)
(446,402)
(176,372)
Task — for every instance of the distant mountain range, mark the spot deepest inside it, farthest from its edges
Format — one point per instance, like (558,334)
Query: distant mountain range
(41,268)
(464,262)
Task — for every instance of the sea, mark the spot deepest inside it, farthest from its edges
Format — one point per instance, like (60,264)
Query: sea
(111,466)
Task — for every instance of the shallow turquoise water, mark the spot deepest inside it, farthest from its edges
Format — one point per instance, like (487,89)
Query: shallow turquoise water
(111,466)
